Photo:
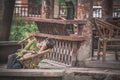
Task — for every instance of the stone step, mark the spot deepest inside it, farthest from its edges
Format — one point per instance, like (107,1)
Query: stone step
(108,64)
(60,74)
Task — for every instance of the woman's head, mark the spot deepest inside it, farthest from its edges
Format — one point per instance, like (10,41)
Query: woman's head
(49,43)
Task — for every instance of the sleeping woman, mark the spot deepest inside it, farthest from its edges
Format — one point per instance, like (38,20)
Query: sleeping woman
(32,47)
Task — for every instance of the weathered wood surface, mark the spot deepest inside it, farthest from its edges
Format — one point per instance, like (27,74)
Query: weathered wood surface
(56,20)
(114,21)
(8,43)
(61,37)
(106,24)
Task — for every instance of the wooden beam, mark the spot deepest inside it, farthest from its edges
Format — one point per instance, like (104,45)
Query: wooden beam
(61,37)
(59,21)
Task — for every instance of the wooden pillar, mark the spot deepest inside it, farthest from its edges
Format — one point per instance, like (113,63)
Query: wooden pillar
(6,20)
(82,9)
(91,10)
(51,8)
(56,8)
(107,9)
(47,8)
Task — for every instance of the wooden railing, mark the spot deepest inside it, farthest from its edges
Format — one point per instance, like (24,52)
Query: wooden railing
(65,48)
(27,10)
(108,38)
(64,52)
(34,10)
(58,26)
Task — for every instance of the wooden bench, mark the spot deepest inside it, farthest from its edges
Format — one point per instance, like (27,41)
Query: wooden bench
(108,38)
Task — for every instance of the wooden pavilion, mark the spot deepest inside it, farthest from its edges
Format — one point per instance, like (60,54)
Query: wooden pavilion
(72,31)
(81,39)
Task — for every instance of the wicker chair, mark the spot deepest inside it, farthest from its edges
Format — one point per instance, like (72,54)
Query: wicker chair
(32,61)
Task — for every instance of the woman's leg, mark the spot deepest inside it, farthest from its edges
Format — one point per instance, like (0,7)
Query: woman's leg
(13,63)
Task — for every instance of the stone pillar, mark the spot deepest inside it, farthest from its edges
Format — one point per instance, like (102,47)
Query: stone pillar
(85,49)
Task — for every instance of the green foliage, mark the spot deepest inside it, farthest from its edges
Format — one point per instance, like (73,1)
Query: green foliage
(20,27)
